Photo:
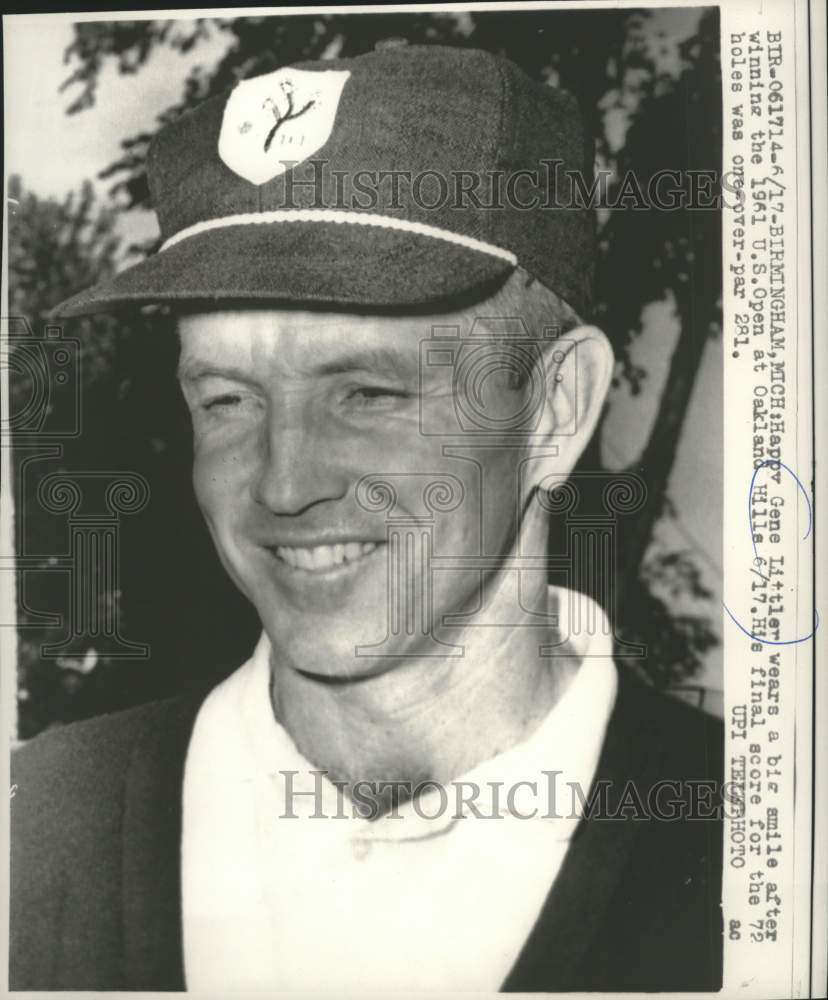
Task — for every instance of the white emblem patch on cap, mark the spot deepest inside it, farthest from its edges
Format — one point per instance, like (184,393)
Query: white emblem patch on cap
(275,121)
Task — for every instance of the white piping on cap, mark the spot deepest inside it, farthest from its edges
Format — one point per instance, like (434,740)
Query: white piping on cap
(341,218)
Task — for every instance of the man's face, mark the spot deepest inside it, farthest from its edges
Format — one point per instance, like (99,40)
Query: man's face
(290,411)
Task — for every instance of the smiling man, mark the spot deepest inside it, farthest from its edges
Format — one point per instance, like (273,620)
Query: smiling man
(291,410)
(387,383)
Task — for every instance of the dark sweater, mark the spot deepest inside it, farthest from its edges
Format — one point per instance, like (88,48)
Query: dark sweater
(95,865)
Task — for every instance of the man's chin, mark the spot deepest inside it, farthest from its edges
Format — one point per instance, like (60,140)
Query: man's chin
(333,624)
(342,658)
(360,671)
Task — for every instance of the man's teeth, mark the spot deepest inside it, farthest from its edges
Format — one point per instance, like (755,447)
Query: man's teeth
(324,556)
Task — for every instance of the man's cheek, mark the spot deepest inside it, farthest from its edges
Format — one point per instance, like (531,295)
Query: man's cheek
(223,505)
(218,482)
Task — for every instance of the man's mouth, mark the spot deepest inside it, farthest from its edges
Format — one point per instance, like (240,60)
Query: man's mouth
(319,558)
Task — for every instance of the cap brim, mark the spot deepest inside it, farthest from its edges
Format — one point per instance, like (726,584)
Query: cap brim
(326,263)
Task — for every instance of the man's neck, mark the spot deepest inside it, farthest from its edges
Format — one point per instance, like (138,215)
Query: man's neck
(430,718)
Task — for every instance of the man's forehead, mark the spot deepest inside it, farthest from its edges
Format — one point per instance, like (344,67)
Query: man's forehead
(315,340)
(310,328)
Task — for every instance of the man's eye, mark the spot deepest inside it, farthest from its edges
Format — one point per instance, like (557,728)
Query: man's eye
(374,393)
(226,399)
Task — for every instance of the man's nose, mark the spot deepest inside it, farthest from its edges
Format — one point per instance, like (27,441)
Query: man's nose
(298,469)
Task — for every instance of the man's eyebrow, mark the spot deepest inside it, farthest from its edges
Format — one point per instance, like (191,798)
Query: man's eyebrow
(191,369)
(361,359)
(367,359)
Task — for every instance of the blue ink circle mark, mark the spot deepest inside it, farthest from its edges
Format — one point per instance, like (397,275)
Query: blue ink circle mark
(773,642)
(761,465)
(756,556)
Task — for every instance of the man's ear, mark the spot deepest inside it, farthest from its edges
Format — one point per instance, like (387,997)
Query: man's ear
(578,369)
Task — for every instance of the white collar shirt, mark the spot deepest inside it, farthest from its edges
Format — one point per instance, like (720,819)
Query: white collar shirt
(285,887)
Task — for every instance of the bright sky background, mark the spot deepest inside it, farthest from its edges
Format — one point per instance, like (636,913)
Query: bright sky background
(55,152)
(89,140)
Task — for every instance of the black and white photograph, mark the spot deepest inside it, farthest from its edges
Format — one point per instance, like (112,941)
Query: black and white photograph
(365,469)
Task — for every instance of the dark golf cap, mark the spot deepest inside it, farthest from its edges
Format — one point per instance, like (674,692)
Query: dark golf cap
(408,176)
